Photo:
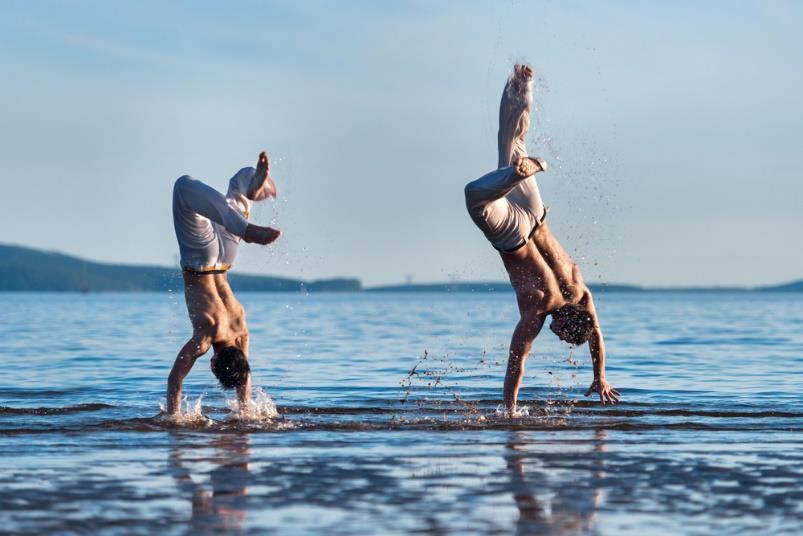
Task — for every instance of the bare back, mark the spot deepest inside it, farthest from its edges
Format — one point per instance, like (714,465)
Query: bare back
(214,310)
(543,274)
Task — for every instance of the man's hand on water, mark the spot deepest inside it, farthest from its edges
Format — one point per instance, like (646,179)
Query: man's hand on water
(255,234)
(607,394)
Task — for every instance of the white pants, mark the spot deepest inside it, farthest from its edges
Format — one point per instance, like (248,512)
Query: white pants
(505,206)
(208,225)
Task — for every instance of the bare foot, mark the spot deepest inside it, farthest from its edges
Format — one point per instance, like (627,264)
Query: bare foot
(263,165)
(523,72)
(527,166)
(520,85)
(255,234)
(262,185)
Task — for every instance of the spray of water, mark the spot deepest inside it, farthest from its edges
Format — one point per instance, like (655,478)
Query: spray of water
(521,412)
(261,408)
(189,413)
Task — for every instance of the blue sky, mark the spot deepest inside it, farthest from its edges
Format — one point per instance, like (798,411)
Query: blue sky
(674,131)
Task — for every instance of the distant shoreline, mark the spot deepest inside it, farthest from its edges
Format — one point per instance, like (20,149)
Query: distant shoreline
(24,269)
(502,286)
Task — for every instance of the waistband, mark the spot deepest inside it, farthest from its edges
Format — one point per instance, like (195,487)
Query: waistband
(213,269)
(529,236)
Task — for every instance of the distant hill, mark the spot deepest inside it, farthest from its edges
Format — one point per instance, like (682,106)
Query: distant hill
(26,269)
(794,286)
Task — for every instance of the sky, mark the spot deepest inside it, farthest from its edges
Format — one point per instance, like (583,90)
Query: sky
(674,131)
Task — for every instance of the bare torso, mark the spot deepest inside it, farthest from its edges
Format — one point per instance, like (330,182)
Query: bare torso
(214,309)
(218,321)
(545,279)
(543,274)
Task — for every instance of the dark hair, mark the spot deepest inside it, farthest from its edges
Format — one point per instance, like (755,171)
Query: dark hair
(576,323)
(230,367)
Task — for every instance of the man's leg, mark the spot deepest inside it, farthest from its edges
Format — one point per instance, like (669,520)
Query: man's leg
(191,196)
(514,121)
(514,115)
(488,198)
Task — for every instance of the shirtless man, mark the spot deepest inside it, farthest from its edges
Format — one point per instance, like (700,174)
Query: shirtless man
(209,227)
(506,205)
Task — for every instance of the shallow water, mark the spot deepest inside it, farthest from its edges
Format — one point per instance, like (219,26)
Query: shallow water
(708,437)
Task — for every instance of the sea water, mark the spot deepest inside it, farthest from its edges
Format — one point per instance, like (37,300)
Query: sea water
(377,414)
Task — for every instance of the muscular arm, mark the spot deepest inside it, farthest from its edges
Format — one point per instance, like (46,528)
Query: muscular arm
(520,344)
(197,346)
(596,346)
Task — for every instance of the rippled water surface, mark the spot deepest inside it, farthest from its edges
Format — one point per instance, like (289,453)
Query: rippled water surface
(387,419)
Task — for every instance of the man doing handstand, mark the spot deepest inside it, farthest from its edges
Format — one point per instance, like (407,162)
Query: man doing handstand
(506,205)
(209,228)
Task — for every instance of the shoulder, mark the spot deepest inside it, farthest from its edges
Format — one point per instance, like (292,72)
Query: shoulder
(533,301)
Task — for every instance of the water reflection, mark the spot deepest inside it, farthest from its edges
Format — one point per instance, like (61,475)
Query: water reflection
(553,496)
(220,503)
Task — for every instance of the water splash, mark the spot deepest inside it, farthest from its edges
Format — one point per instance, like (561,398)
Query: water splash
(261,408)
(521,412)
(189,413)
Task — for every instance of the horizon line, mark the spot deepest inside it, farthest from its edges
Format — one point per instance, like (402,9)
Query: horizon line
(400,285)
